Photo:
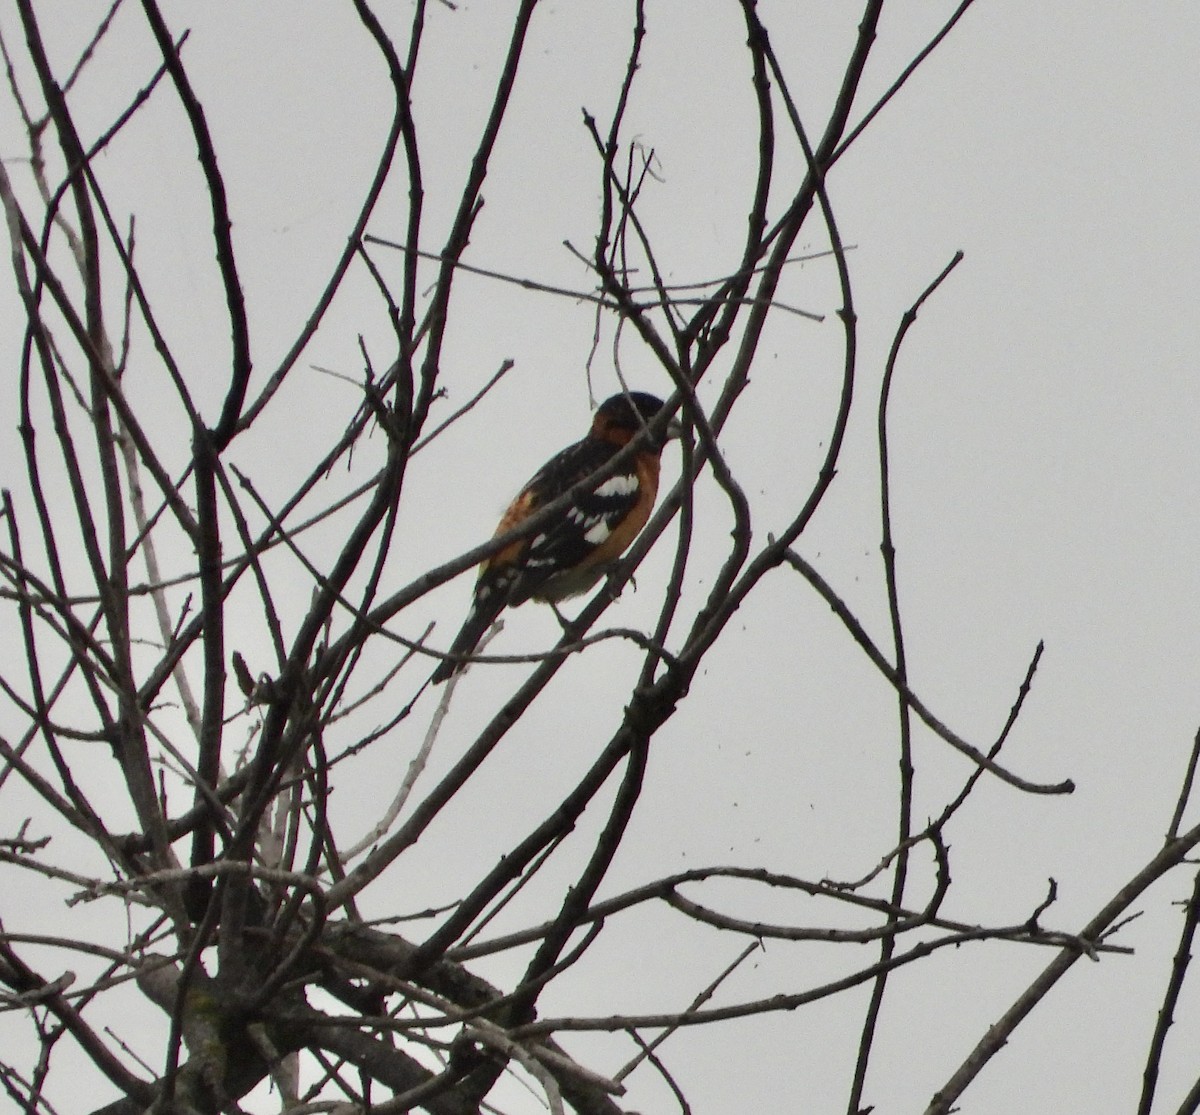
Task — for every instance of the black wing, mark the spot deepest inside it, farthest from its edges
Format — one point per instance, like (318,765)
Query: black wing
(572,536)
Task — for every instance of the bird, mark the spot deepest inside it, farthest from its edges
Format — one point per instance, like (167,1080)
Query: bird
(574,548)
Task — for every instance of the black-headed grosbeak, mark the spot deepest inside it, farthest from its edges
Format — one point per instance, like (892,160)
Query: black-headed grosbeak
(574,548)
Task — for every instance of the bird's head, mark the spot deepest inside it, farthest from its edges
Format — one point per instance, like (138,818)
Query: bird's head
(624,416)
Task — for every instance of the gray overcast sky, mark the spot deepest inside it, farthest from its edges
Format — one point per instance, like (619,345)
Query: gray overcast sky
(1045,452)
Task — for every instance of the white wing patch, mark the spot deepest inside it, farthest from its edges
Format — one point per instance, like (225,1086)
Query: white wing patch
(597,532)
(616,486)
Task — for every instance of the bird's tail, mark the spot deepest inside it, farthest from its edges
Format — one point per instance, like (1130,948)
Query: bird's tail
(477,622)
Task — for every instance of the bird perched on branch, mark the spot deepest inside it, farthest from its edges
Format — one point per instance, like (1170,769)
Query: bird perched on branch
(574,548)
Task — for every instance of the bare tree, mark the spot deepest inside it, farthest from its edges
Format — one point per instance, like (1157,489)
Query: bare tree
(208,642)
